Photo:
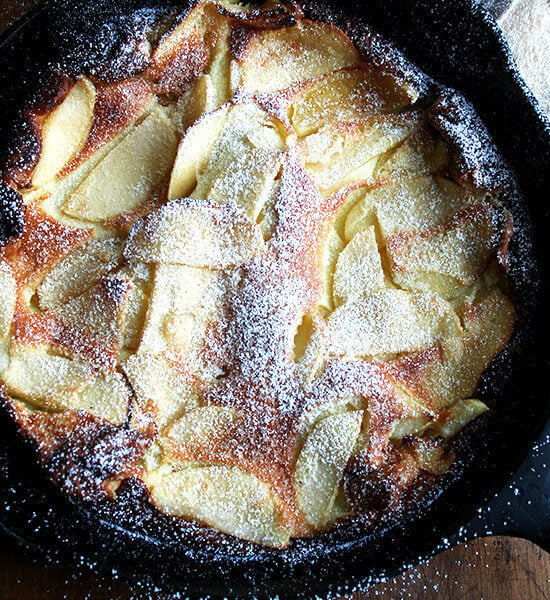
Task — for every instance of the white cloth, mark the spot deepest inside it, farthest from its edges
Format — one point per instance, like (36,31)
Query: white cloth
(526,25)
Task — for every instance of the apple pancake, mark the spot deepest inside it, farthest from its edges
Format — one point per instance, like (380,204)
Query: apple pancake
(260,275)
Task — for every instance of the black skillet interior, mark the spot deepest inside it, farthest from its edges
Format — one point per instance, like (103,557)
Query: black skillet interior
(457,44)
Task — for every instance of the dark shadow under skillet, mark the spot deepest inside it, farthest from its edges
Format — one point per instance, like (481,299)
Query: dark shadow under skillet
(459,45)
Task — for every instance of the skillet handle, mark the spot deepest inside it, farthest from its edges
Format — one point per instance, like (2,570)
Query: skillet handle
(522,508)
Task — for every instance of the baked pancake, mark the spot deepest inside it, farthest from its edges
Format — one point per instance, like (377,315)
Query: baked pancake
(260,275)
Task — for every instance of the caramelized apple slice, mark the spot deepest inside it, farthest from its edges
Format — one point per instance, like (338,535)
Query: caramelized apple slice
(273,59)
(321,464)
(106,396)
(418,204)
(118,106)
(185,50)
(197,434)
(244,160)
(388,322)
(194,152)
(137,303)
(43,244)
(342,153)
(129,175)
(352,93)
(450,372)
(226,498)
(422,153)
(88,327)
(333,246)
(64,131)
(358,268)
(79,271)
(161,384)
(198,233)
(8,298)
(457,417)
(448,257)
(43,379)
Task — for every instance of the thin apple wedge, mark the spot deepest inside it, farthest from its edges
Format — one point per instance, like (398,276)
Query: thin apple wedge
(226,498)
(244,160)
(422,153)
(274,59)
(351,93)
(457,417)
(45,380)
(64,131)
(197,434)
(450,371)
(161,384)
(418,204)
(339,154)
(79,271)
(194,152)
(8,298)
(118,105)
(185,50)
(445,258)
(197,233)
(129,175)
(358,268)
(88,327)
(321,463)
(388,322)
(106,396)
(333,246)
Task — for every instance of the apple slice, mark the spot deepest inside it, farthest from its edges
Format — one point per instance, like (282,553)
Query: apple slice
(8,299)
(160,383)
(362,214)
(194,152)
(90,326)
(79,271)
(226,498)
(450,371)
(333,246)
(321,463)
(43,244)
(244,161)
(185,50)
(64,131)
(274,59)
(457,417)
(358,268)
(129,175)
(45,380)
(137,304)
(349,94)
(422,153)
(342,153)
(448,257)
(185,303)
(106,396)
(197,233)
(388,322)
(198,433)
(419,204)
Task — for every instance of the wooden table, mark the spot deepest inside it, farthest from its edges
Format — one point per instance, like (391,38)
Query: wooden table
(495,568)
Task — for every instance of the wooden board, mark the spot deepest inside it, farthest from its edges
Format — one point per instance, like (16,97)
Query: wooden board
(492,568)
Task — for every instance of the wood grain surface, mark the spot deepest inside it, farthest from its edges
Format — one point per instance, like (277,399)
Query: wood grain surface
(495,568)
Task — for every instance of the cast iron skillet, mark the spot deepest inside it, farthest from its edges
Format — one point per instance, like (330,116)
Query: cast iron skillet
(458,44)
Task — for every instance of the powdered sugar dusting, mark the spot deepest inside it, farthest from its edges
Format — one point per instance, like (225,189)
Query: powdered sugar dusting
(237,349)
